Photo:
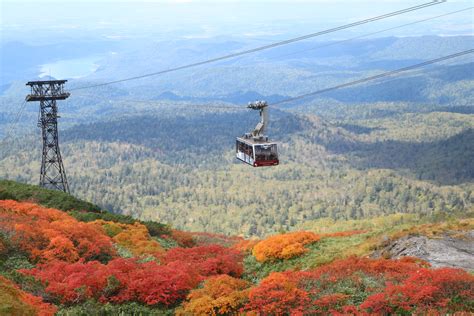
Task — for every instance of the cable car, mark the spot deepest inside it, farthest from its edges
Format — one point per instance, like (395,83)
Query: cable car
(254,148)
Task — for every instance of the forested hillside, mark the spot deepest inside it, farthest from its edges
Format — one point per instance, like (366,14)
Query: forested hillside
(180,169)
(271,75)
(367,207)
(164,149)
(78,262)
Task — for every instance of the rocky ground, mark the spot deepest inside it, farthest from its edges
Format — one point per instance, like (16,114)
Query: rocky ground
(452,249)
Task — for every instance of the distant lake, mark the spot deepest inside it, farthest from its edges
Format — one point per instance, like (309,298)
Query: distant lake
(70,68)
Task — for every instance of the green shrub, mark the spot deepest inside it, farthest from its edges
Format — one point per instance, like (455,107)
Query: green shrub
(93,308)
(11,190)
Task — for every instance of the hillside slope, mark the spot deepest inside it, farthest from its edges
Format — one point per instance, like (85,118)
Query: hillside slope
(11,190)
(81,263)
(180,169)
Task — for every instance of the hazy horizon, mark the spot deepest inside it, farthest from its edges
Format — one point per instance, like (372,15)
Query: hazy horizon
(46,21)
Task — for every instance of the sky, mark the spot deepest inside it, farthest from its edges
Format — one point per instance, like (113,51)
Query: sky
(27,20)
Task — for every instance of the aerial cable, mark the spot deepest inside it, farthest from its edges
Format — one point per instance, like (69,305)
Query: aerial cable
(320,46)
(269,46)
(374,33)
(382,75)
(15,121)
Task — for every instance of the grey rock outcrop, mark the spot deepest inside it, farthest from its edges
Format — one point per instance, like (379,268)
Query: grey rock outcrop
(453,249)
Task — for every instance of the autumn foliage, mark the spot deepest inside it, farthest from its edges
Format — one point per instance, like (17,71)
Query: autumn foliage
(128,280)
(283,246)
(76,263)
(245,245)
(184,239)
(134,237)
(278,294)
(17,302)
(207,260)
(124,280)
(219,295)
(362,285)
(121,280)
(426,291)
(48,234)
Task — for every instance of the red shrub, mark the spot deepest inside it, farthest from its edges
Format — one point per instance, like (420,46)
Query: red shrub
(328,304)
(278,294)
(207,260)
(119,281)
(324,290)
(48,234)
(446,290)
(153,284)
(390,270)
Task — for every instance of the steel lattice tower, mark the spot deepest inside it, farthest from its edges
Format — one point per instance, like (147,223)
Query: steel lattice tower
(53,175)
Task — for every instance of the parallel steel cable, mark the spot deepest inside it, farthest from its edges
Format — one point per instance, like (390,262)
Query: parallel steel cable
(374,33)
(320,46)
(347,84)
(344,85)
(382,75)
(265,47)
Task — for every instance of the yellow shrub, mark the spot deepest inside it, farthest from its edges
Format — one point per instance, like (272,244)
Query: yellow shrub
(134,237)
(220,295)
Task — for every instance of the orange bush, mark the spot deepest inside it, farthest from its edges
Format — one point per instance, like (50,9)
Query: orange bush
(220,295)
(245,245)
(134,237)
(14,301)
(48,234)
(283,246)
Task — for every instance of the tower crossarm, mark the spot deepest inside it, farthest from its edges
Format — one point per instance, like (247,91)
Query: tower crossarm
(47,90)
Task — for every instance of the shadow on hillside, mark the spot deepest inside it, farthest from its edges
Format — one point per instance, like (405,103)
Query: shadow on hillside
(448,161)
